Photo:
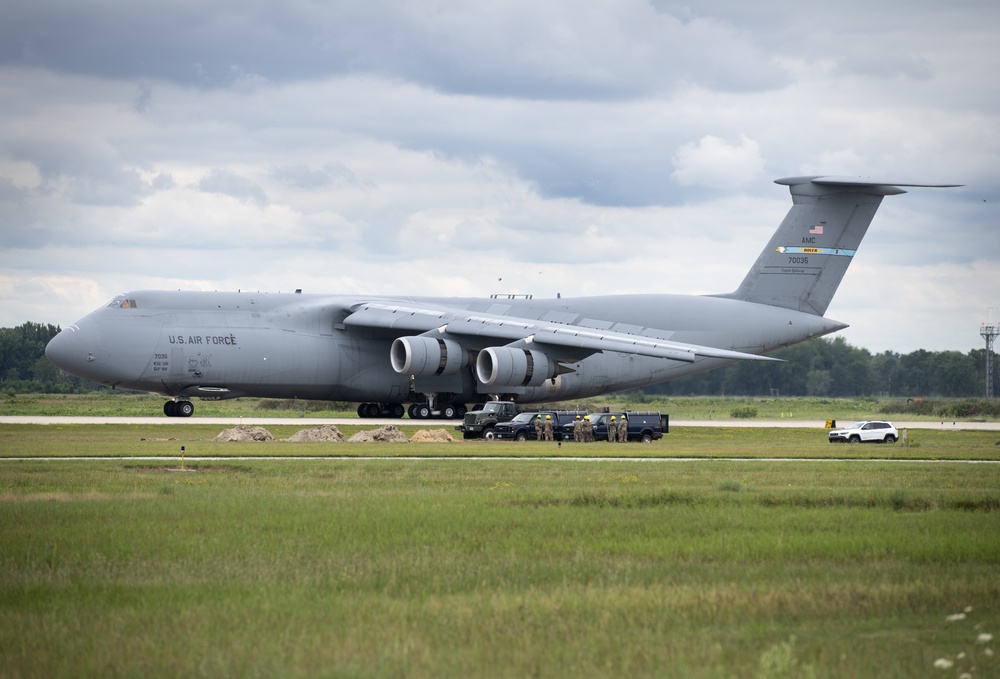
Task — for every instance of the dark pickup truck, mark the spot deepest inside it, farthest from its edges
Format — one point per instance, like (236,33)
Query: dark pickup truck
(642,426)
(522,427)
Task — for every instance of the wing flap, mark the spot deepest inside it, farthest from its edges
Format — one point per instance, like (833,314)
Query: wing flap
(630,344)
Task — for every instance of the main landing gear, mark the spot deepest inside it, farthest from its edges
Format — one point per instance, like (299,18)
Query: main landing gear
(178,408)
(416,411)
(381,410)
(448,411)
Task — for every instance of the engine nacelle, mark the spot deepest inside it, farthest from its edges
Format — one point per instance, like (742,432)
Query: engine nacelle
(426,356)
(509,367)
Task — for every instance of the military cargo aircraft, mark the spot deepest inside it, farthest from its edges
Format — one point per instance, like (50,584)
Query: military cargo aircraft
(439,354)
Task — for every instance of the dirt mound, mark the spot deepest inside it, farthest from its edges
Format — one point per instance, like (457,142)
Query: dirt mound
(389,433)
(244,432)
(432,436)
(326,433)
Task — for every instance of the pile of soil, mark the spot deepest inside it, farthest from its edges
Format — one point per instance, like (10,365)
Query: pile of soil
(326,433)
(388,434)
(244,432)
(432,436)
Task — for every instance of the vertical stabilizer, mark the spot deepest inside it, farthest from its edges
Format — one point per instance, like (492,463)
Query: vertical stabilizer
(808,255)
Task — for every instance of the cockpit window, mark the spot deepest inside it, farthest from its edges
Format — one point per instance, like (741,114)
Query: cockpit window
(122,303)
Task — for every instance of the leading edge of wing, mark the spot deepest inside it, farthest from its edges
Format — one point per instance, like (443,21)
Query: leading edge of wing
(512,329)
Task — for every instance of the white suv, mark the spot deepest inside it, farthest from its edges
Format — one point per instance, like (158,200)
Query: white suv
(865,432)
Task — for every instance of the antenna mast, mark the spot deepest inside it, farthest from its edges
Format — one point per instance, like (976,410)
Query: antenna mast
(989,332)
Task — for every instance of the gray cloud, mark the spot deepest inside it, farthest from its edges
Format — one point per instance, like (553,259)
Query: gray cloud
(613,146)
(228,183)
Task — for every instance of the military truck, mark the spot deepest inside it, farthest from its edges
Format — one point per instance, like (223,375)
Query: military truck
(642,426)
(522,427)
(479,424)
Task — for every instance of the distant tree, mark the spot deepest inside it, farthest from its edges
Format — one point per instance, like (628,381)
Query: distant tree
(952,374)
(833,367)
(23,366)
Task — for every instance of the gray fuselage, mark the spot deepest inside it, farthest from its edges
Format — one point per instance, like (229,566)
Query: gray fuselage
(228,344)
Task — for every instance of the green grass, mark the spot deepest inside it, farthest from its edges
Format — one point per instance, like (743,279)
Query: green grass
(679,408)
(131,440)
(428,568)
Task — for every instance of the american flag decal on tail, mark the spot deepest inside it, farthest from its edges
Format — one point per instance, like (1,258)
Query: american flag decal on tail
(818,230)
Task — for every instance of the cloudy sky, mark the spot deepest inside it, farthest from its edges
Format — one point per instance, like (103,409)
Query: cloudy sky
(475,147)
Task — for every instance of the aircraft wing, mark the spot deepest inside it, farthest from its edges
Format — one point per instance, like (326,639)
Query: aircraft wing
(548,337)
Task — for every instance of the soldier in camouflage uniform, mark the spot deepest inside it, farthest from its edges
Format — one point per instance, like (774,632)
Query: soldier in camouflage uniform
(538,427)
(623,430)
(548,428)
(577,429)
(588,429)
(612,430)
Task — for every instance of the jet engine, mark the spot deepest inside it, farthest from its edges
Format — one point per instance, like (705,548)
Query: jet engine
(510,367)
(424,356)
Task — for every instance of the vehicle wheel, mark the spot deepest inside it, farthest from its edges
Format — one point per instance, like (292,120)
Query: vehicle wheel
(397,410)
(646,438)
(374,410)
(184,409)
(890,439)
(521,436)
(169,409)
(362,410)
(489,434)
(412,411)
(460,411)
(855,439)
(423,412)
(448,412)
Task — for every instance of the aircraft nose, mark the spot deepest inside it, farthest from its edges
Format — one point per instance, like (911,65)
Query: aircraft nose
(72,350)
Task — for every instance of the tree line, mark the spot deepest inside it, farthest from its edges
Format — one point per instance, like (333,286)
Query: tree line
(834,368)
(24,368)
(819,367)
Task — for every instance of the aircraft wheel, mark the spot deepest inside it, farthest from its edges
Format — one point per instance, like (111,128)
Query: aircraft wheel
(169,409)
(448,412)
(423,412)
(412,411)
(374,410)
(397,410)
(362,410)
(184,409)
(460,411)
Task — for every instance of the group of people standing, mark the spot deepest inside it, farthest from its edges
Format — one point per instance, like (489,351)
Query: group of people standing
(543,430)
(583,430)
(618,431)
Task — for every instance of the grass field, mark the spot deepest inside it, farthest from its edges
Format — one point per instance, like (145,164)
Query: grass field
(684,408)
(131,440)
(497,568)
